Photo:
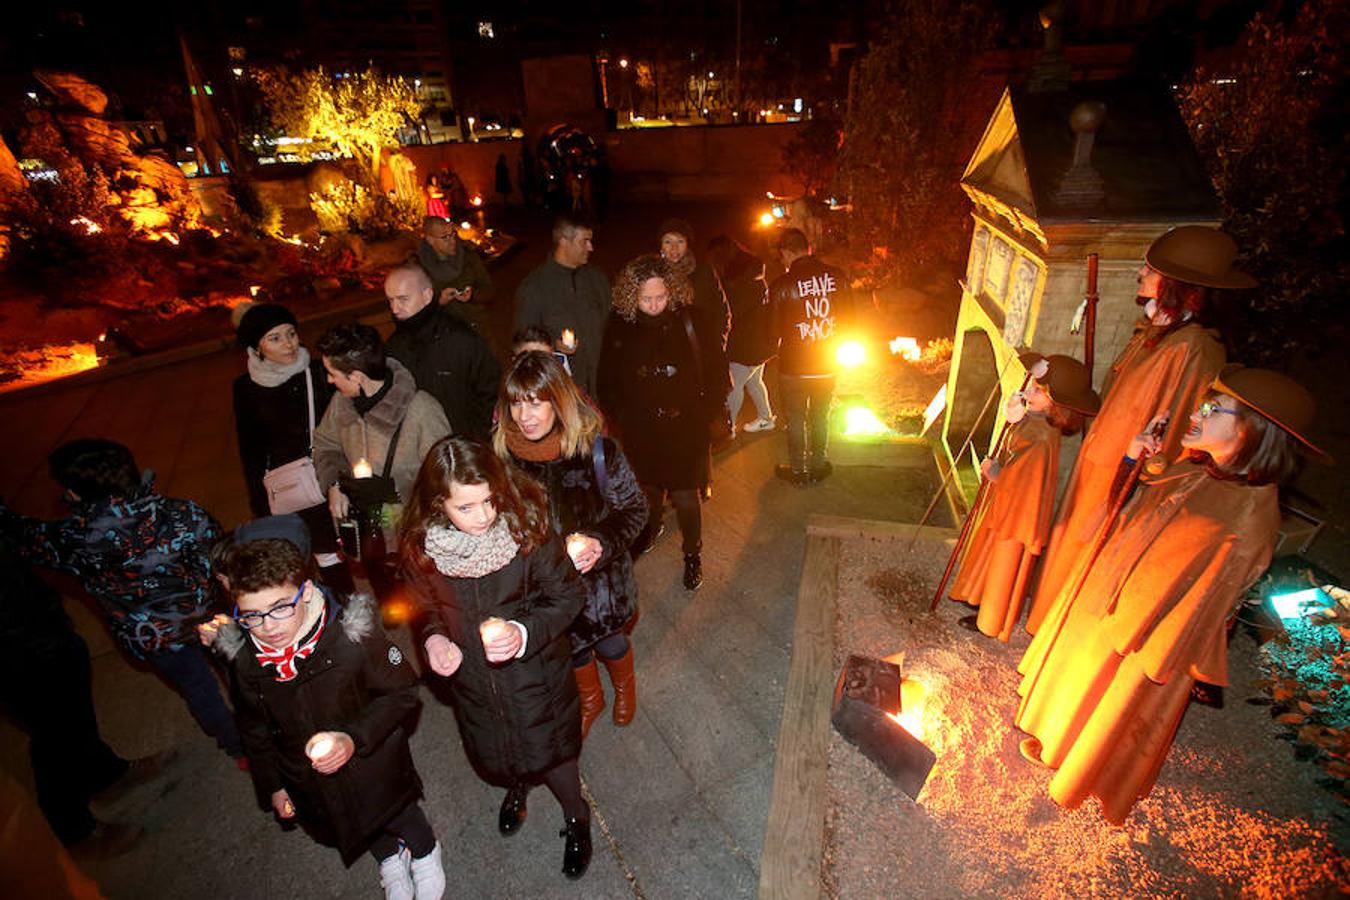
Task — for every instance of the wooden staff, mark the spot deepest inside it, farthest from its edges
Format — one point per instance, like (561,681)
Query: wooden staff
(968,526)
(1090,319)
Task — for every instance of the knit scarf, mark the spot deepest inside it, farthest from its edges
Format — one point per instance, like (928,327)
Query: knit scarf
(458,554)
(307,638)
(268,374)
(685,266)
(546,449)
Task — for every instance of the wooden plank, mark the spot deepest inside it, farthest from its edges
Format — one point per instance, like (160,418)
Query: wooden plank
(845,527)
(794,837)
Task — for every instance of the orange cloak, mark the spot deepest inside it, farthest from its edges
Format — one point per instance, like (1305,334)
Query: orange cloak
(1172,376)
(1012,528)
(1109,673)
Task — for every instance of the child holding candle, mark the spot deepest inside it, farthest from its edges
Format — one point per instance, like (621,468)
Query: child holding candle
(323,700)
(1014,519)
(498,593)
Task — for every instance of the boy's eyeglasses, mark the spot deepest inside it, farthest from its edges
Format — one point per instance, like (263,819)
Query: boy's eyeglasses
(251,620)
(1209,408)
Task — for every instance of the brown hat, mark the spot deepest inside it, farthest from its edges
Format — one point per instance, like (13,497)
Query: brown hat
(1276,397)
(1198,255)
(1068,382)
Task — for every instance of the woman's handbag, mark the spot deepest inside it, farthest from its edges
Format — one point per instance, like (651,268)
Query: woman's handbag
(295,485)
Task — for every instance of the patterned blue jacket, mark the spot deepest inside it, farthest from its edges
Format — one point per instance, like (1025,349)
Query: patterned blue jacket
(144,558)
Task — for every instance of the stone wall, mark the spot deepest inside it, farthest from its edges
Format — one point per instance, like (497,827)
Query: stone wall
(700,162)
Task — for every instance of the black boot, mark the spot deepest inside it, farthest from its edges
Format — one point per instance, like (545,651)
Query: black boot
(576,847)
(795,477)
(513,809)
(693,571)
(647,539)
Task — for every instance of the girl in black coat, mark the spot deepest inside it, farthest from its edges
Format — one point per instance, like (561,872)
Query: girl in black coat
(663,381)
(547,429)
(323,700)
(273,422)
(497,594)
(752,341)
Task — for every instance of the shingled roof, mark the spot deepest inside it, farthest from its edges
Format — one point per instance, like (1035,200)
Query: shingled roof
(1143,154)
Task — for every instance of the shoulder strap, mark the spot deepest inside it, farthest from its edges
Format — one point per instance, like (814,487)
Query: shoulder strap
(598,460)
(693,340)
(393,448)
(309,392)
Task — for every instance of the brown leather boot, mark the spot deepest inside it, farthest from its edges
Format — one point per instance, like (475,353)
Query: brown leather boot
(592,694)
(625,687)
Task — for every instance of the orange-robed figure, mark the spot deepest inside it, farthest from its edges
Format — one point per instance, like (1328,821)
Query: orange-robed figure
(1013,521)
(1108,675)
(1164,369)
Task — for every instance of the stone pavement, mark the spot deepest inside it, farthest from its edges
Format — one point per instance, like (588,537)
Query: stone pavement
(680,796)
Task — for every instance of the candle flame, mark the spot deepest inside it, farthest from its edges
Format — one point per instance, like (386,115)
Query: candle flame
(362,469)
(320,748)
(568,338)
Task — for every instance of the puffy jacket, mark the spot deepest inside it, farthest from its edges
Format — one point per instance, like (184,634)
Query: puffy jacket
(143,558)
(356,681)
(521,717)
(613,515)
(811,304)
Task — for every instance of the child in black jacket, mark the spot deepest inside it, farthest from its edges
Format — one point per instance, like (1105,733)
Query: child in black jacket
(323,699)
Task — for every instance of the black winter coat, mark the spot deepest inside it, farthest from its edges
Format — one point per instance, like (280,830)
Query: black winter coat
(356,682)
(711,298)
(812,306)
(613,516)
(657,399)
(272,425)
(522,717)
(451,362)
(752,340)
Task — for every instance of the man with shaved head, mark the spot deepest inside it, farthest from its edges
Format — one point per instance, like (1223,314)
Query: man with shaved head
(447,358)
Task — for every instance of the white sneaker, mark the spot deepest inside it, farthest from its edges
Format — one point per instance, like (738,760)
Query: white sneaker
(760,424)
(396,877)
(428,875)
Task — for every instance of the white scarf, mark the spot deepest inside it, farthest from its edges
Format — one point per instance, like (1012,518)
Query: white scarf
(458,554)
(268,374)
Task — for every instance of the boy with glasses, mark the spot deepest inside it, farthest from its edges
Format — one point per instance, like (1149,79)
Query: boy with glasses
(323,699)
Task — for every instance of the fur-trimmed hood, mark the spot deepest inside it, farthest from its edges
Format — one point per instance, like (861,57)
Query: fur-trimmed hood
(357,619)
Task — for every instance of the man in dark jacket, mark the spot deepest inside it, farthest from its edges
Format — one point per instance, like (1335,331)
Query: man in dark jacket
(447,358)
(810,304)
(459,280)
(566,294)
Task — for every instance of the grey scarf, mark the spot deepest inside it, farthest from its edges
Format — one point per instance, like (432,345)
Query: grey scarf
(265,373)
(458,554)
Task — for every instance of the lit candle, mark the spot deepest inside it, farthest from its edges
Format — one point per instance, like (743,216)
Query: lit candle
(575,544)
(491,630)
(362,469)
(569,340)
(319,746)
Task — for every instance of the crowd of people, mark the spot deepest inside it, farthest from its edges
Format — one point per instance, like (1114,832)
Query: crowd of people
(509,495)
(512,495)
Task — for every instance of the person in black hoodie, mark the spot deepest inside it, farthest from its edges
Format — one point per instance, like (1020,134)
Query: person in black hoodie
(278,403)
(447,358)
(752,342)
(811,305)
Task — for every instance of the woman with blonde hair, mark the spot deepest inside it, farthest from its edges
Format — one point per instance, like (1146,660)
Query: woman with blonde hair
(662,383)
(546,429)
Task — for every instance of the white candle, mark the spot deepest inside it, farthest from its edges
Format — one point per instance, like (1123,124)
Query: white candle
(491,630)
(319,746)
(575,544)
(362,469)
(569,340)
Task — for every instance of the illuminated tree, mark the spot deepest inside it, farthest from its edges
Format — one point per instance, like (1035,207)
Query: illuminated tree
(912,121)
(357,114)
(1270,130)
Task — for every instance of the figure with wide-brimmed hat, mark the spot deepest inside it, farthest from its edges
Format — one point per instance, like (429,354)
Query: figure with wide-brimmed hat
(1110,671)
(1014,519)
(1164,369)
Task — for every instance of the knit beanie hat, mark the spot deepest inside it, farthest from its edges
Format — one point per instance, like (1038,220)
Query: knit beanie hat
(677,226)
(259,318)
(289,527)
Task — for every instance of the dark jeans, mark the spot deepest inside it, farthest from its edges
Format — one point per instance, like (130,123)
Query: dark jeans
(189,672)
(609,648)
(806,403)
(412,827)
(688,513)
(49,697)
